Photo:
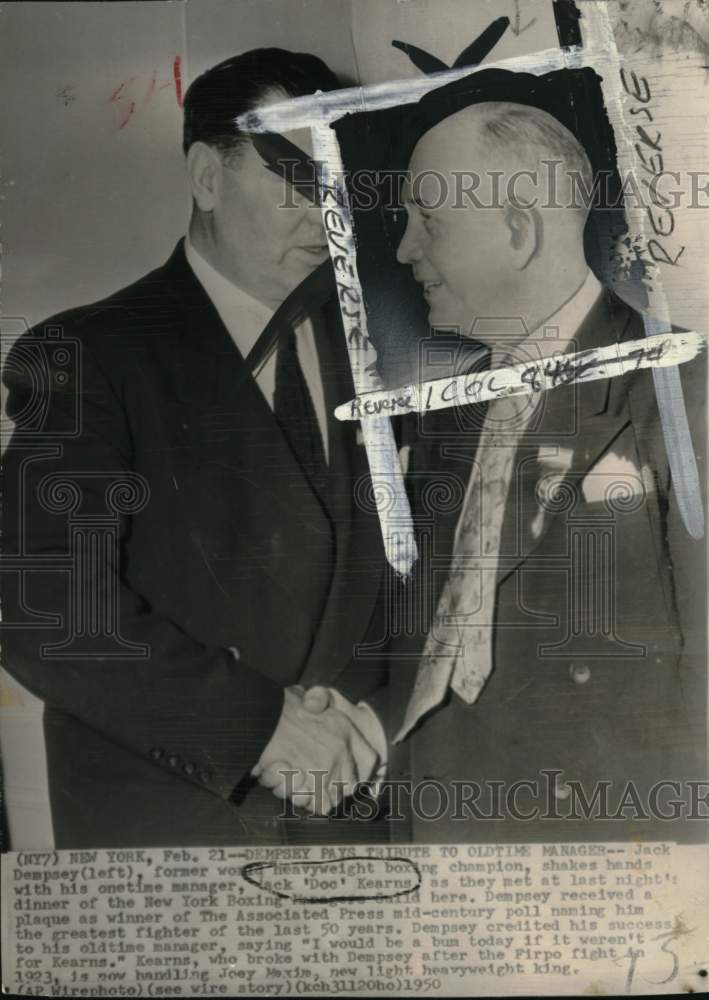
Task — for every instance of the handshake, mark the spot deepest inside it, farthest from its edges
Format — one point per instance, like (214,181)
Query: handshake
(318,753)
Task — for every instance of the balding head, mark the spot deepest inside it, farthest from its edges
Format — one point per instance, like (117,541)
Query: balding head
(530,137)
(492,213)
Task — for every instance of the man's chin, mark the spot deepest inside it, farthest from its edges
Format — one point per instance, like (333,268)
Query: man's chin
(445,318)
(306,260)
(297,275)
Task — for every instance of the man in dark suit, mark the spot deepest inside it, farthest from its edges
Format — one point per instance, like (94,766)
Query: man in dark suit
(183,553)
(563,654)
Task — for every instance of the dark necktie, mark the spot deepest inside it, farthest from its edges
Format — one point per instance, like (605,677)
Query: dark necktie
(294,410)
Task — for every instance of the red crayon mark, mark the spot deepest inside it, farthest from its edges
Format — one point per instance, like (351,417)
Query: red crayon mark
(136,93)
(178,79)
(116,92)
(151,88)
(126,105)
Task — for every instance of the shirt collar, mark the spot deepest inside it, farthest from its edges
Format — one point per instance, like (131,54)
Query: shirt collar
(569,317)
(553,335)
(243,316)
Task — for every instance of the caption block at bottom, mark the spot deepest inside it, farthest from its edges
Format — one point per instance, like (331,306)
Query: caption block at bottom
(446,920)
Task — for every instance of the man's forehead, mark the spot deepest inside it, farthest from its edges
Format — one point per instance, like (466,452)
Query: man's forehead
(423,186)
(450,144)
(450,149)
(457,134)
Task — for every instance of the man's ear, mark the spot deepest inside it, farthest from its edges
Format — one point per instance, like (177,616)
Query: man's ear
(526,232)
(204,169)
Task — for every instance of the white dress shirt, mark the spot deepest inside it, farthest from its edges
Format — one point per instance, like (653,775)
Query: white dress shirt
(571,315)
(564,324)
(245,318)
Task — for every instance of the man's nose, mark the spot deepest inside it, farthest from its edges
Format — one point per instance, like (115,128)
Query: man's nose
(409,249)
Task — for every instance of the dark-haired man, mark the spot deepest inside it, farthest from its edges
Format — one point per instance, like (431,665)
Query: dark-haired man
(218,562)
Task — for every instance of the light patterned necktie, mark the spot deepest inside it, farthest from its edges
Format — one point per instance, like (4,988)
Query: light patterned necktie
(458,648)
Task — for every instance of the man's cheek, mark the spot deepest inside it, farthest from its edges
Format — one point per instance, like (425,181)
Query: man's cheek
(459,283)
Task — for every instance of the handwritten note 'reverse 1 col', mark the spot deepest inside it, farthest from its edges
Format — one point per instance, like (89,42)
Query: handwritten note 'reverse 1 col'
(659,351)
(400,920)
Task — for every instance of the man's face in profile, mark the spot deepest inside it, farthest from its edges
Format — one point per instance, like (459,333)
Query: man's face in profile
(458,251)
(268,239)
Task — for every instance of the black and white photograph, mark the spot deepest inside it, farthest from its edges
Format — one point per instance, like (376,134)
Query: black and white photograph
(354,564)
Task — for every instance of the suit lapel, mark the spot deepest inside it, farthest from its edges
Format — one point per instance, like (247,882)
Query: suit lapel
(212,372)
(574,427)
(359,558)
(237,447)
(211,379)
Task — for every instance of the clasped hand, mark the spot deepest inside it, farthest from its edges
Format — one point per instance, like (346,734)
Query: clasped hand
(322,745)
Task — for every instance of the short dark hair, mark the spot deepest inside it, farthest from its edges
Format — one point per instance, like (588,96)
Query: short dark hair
(239,84)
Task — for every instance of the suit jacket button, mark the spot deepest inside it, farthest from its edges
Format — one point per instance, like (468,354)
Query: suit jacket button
(173,760)
(580,673)
(188,768)
(205,777)
(156,753)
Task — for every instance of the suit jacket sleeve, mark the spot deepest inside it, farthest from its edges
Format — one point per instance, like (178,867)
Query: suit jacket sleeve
(681,559)
(688,561)
(188,707)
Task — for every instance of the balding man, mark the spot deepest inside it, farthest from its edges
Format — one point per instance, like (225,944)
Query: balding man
(490,235)
(566,646)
